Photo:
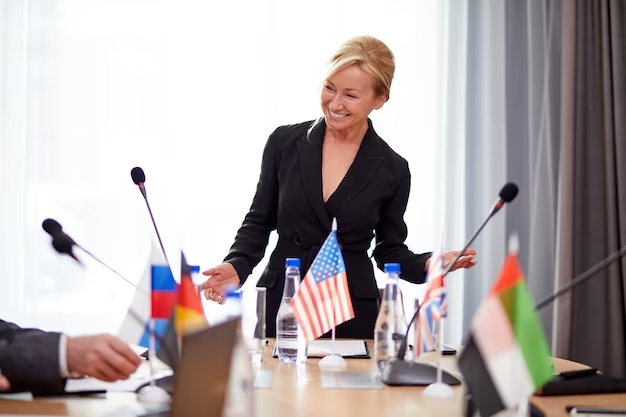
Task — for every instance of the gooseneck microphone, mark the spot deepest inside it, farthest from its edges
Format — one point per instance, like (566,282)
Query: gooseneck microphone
(400,372)
(139,178)
(64,244)
(507,194)
(582,278)
(52,227)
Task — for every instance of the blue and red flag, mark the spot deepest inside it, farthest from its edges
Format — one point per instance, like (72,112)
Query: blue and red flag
(164,295)
(434,306)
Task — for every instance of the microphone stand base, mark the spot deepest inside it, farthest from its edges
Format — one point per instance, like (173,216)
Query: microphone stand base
(439,390)
(408,373)
(153,394)
(333,361)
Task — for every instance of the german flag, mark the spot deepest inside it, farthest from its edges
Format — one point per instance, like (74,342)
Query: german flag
(189,314)
(186,316)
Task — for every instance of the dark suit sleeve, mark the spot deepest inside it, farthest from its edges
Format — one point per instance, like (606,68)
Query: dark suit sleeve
(391,232)
(29,359)
(253,235)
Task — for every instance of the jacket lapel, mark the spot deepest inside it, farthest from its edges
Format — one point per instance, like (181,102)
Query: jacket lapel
(365,165)
(310,152)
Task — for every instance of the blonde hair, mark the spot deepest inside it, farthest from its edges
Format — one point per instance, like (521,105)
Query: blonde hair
(372,56)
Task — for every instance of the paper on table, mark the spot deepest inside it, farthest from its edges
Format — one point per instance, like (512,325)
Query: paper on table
(344,348)
(18,396)
(129,385)
(351,380)
(139,350)
(263,379)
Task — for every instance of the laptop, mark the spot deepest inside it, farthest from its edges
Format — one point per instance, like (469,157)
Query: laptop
(201,378)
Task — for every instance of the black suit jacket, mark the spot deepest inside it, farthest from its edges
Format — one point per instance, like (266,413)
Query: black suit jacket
(372,198)
(29,359)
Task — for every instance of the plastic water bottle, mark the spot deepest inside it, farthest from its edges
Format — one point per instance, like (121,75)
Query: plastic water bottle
(290,343)
(391,325)
(232,306)
(240,390)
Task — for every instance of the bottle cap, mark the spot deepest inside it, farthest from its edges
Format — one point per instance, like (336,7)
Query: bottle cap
(294,262)
(392,268)
(233,294)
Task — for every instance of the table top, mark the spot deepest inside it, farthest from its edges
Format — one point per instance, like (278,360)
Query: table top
(297,391)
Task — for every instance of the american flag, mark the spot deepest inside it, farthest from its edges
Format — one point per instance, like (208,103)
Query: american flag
(434,307)
(323,300)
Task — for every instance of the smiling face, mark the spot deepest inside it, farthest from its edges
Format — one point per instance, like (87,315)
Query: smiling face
(348,98)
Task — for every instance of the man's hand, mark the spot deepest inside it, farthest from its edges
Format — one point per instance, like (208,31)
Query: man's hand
(104,357)
(4,384)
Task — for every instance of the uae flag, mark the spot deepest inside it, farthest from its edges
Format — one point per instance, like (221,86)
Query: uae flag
(506,356)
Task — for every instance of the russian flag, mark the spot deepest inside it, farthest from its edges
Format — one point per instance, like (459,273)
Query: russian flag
(164,296)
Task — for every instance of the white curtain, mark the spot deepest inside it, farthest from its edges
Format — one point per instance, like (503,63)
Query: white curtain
(188,90)
(472,150)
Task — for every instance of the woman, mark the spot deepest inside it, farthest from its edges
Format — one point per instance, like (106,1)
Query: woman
(336,167)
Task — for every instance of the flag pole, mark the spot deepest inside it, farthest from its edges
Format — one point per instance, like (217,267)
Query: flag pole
(439,389)
(152,393)
(439,349)
(151,350)
(332,345)
(333,360)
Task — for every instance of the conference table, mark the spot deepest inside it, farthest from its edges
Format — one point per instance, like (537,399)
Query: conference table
(297,391)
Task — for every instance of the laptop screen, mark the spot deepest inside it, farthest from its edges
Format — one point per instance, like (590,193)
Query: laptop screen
(201,379)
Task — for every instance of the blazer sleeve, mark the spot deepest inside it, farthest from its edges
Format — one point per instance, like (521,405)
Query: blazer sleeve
(29,359)
(391,232)
(253,235)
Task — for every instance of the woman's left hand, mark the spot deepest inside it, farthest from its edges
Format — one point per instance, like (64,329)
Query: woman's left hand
(465,261)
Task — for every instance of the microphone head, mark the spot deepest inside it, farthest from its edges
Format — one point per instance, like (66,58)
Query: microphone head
(62,244)
(139,177)
(509,192)
(52,227)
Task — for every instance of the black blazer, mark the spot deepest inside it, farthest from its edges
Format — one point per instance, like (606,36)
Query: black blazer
(29,359)
(371,198)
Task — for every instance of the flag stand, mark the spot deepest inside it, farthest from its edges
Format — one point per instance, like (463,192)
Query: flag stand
(523,408)
(152,393)
(470,407)
(333,360)
(439,389)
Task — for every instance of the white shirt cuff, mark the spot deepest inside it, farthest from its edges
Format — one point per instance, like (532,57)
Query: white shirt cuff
(65,373)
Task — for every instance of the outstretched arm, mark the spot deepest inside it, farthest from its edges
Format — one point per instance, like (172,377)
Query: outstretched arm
(253,235)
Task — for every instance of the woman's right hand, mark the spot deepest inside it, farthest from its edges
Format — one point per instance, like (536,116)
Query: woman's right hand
(223,278)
